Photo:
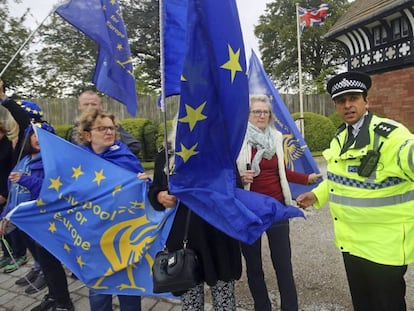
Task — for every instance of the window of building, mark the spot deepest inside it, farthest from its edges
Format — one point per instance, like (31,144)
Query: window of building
(380,35)
(399,28)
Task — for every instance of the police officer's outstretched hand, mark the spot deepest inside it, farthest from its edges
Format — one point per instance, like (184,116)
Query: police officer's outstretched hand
(306,199)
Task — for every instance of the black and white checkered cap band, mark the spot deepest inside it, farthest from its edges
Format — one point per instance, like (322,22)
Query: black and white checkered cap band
(346,86)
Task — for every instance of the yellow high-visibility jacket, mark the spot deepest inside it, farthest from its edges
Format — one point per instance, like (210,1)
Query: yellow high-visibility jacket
(373,216)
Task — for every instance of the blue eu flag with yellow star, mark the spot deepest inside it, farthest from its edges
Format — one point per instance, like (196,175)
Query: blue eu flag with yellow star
(101,21)
(297,154)
(94,216)
(212,121)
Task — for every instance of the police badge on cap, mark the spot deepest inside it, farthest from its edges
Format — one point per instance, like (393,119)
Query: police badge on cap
(346,82)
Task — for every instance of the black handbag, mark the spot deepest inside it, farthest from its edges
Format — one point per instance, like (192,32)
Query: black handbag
(176,271)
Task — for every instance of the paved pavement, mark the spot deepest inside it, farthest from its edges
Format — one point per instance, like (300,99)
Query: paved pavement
(13,297)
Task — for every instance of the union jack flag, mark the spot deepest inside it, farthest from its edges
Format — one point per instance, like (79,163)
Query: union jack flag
(313,16)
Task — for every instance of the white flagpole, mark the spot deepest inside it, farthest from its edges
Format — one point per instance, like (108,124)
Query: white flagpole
(302,123)
(162,69)
(25,42)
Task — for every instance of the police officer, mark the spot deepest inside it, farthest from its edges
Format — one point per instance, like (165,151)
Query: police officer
(370,188)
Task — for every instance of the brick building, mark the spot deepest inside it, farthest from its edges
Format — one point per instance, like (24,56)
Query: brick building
(378,38)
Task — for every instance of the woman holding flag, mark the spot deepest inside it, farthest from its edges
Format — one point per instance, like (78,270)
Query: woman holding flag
(98,134)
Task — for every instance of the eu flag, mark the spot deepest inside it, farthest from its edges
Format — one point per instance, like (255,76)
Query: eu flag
(174,24)
(297,154)
(95,218)
(213,114)
(101,21)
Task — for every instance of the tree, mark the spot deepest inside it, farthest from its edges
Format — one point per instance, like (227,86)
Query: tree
(141,18)
(12,36)
(65,60)
(278,45)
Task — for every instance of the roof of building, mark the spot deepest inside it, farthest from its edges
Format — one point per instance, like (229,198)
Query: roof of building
(361,11)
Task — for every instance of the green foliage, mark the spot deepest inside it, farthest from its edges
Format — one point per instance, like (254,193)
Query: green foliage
(65,61)
(160,135)
(336,119)
(145,131)
(62,129)
(13,34)
(142,22)
(277,34)
(319,130)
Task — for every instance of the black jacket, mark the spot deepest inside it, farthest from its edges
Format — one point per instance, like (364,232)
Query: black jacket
(219,254)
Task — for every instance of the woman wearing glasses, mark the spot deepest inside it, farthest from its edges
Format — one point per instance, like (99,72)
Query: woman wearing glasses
(98,133)
(262,169)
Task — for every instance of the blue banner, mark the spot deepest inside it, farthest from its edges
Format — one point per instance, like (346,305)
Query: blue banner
(213,115)
(94,216)
(102,22)
(297,154)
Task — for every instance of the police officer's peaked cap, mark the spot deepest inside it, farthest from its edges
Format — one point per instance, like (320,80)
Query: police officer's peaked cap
(346,82)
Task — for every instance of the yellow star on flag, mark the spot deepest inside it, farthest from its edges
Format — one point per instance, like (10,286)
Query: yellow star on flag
(119,47)
(66,248)
(193,115)
(79,261)
(77,171)
(39,202)
(185,153)
(55,184)
(99,177)
(233,63)
(52,227)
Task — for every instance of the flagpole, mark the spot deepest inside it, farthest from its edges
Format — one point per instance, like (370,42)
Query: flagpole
(302,123)
(162,67)
(25,42)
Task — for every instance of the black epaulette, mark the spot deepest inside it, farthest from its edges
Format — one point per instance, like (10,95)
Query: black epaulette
(384,129)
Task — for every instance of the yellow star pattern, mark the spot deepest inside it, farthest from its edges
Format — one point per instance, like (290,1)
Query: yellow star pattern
(79,261)
(99,176)
(52,227)
(55,184)
(77,171)
(117,189)
(39,202)
(193,115)
(66,248)
(119,47)
(113,2)
(233,63)
(185,153)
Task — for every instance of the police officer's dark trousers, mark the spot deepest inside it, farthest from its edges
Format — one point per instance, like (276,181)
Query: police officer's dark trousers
(375,286)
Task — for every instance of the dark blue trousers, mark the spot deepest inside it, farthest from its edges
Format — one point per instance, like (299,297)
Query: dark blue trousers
(279,243)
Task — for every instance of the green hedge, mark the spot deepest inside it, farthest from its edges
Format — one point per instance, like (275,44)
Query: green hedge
(336,119)
(160,135)
(319,130)
(137,128)
(62,129)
